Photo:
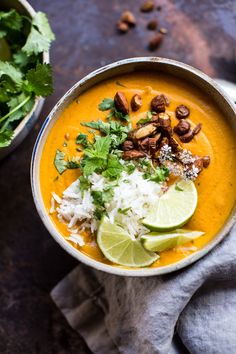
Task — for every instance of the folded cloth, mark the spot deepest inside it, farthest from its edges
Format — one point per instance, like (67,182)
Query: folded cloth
(140,315)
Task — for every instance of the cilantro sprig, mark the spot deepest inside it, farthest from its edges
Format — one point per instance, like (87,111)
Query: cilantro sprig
(23,75)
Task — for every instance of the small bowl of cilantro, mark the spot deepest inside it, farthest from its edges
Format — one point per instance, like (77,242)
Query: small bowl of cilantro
(25,72)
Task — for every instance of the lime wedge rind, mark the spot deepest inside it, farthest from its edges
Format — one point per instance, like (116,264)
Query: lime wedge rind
(159,242)
(174,208)
(119,248)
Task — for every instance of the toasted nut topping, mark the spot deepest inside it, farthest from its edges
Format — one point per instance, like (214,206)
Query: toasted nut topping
(152,25)
(147,6)
(122,27)
(174,144)
(164,120)
(155,41)
(182,112)
(121,103)
(133,154)
(206,161)
(128,17)
(67,136)
(182,127)
(154,118)
(163,30)
(167,131)
(144,144)
(164,141)
(128,145)
(159,103)
(145,131)
(186,138)
(153,142)
(197,129)
(198,163)
(136,102)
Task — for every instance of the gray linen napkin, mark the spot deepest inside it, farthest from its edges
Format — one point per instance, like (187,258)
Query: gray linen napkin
(140,315)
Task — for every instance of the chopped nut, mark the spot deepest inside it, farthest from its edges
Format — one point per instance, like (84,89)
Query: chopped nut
(145,131)
(147,6)
(122,27)
(153,142)
(182,127)
(163,30)
(164,141)
(182,112)
(164,120)
(154,118)
(186,138)
(152,25)
(133,154)
(197,129)
(128,17)
(206,161)
(136,102)
(198,163)
(128,145)
(144,144)
(174,144)
(155,41)
(67,136)
(121,103)
(159,103)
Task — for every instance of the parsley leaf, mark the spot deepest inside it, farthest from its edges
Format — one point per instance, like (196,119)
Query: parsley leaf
(39,80)
(106,104)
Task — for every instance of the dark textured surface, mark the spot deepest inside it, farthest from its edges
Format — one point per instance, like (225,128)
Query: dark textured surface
(201,33)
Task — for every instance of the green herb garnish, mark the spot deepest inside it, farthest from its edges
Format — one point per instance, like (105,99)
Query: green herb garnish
(62,165)
(177,188)
(106,104)
(23,76)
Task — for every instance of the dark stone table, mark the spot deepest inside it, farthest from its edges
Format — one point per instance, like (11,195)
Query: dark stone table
(201,33)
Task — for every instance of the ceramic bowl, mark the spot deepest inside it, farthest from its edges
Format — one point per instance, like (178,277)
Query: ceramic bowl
(192,75)
(22,130)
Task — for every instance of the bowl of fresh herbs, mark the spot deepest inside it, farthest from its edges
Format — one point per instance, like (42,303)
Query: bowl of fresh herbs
(25,72)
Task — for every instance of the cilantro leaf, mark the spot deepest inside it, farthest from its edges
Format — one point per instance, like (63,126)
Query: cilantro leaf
(106,104)
(114,168)
(82,139)
(145,120)
(5,137)
(90,165)
(11,19)
(21,59)
(39,80)
(41,22)
(99,149)
(59,162)
(84,183)
(62,165)
(11,71)
(36,43)
(98,125)
(160,174)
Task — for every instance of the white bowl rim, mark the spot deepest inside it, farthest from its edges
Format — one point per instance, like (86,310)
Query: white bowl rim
(117,270)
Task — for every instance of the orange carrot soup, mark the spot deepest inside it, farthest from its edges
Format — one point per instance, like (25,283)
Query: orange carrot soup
(139,171)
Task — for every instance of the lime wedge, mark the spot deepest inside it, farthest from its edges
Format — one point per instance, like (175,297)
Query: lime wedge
(174,208)
(159,242)
(117,246)
(5,52)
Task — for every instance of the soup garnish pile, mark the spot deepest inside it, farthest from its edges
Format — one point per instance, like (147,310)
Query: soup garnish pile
(135,188)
